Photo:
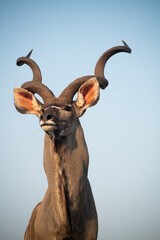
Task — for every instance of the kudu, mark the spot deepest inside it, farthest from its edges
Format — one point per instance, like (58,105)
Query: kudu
(68,208)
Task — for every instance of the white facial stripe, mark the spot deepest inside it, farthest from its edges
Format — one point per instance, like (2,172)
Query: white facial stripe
(53,107)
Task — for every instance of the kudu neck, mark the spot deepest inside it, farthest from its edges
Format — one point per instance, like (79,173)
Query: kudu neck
(66,150)
(70,141)
(66,167)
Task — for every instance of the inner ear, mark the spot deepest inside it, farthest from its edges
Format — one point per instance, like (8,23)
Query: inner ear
(26,102)
(88,94)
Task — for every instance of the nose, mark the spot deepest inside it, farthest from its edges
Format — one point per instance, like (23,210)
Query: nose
(45,117)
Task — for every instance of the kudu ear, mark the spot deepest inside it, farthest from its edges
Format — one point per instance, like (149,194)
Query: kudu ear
(88,96)
(26,102)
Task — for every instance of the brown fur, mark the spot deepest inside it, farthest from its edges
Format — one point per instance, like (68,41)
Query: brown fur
(68,209)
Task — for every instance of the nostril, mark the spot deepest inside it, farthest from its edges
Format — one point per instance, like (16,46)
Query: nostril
(49,117)
(41,117)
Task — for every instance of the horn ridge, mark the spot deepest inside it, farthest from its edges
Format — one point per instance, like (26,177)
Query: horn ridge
(73,87)
(37,77)
(35,86)
(69,92)
(41,89)
(99,68)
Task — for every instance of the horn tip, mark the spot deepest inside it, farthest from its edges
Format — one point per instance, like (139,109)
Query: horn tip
(125,44)
(29,54)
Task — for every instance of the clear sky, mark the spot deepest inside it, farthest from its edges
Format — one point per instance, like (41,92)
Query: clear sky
(122,131)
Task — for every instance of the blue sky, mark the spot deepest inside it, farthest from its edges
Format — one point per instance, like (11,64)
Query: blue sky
(122,131)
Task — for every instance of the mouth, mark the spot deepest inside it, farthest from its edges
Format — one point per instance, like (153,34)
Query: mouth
(48,125)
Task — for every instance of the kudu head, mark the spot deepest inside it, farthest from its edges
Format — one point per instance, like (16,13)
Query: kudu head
(57,115)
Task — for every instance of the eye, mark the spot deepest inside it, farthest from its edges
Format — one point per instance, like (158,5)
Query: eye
(68,108)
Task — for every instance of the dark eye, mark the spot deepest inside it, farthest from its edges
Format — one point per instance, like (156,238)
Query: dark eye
(68,108)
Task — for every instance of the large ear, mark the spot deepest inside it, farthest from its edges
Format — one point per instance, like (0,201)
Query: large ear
(88,96)
(26,102)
